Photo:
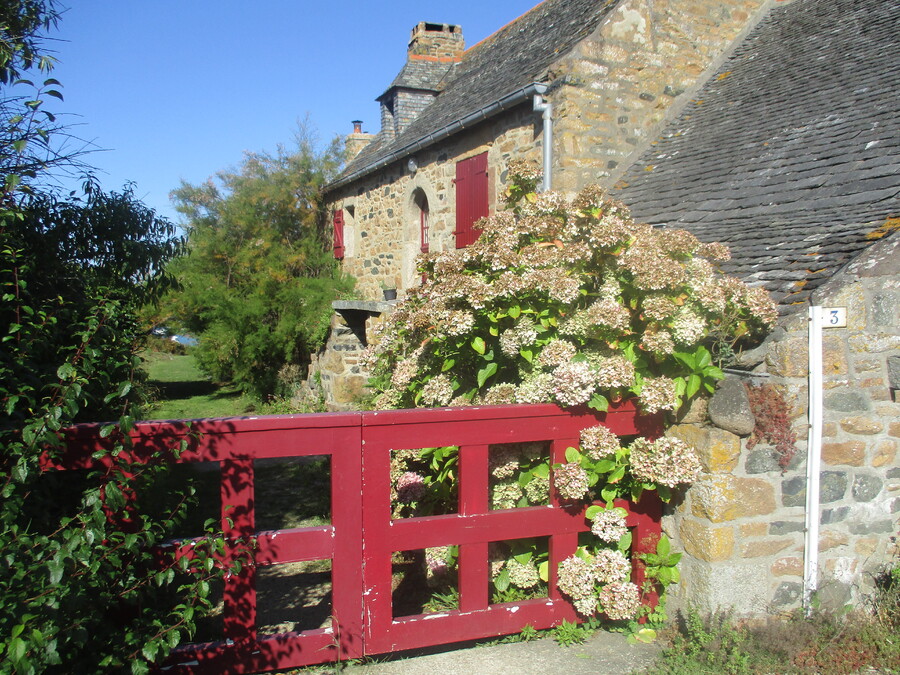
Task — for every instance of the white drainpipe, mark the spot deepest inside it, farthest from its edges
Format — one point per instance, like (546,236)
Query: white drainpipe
(544,106)
(813,458)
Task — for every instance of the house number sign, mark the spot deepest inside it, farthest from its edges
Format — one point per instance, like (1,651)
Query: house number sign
(835,317)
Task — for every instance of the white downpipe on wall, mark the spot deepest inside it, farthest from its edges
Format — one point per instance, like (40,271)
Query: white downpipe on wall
(544,106)
(813,457)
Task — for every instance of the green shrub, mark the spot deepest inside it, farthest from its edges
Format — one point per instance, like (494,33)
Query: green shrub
(81,588)
(571,302)
(257,287)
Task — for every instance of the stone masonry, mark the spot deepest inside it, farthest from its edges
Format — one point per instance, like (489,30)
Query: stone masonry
(741,524)
(381,231)
(336,374)
(618,86)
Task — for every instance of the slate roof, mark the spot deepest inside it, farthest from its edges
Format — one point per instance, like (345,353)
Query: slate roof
(512,58)
(790,154)
(421,74)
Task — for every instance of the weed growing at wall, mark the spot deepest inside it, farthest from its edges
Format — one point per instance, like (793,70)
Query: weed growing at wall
(827,643)
(773,423)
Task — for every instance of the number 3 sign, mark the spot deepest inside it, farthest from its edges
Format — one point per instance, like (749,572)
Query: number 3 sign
(835,317)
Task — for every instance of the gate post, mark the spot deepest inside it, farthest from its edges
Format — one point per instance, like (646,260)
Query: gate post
(347,565)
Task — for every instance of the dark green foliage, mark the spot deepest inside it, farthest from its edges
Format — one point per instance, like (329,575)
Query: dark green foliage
(81,588)
(22,23)
(258,284)
(97,241)
(100,255)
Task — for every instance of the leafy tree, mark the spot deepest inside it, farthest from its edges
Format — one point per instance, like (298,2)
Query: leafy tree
(258,284)
(65,256)
(31,139)
(81,588)
(22,25)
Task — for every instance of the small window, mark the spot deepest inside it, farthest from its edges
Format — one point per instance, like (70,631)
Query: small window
(421,202)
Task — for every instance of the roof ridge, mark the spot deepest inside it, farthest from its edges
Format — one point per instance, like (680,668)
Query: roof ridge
(435,59)
(503,28)
(493,72)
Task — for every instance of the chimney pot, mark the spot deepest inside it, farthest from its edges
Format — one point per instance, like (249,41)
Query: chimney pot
(357,126)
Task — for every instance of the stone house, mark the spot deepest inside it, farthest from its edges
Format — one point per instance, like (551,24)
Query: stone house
(574,85)
(601,74)
(789,153)
(770,126)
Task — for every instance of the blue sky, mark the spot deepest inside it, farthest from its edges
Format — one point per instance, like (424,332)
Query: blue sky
(179,89)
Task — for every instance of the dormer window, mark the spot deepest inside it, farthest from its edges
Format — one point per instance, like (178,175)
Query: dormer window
(433,50)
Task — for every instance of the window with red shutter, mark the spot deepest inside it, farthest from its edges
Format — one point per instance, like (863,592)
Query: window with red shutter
(339,234)
(471,198)
(421,202)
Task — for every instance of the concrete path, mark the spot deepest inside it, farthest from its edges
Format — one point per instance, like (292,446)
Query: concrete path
(603,654)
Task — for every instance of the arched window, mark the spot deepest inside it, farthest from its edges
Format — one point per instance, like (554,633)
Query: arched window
(421,204)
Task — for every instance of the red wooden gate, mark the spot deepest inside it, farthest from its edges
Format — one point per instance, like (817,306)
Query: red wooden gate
(362,537)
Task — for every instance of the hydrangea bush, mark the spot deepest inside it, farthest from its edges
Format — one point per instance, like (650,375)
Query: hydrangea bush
(569,302)
(597,577)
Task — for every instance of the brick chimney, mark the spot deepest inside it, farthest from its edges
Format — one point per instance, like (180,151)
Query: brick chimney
(356,141)
(436,41)
(434,49)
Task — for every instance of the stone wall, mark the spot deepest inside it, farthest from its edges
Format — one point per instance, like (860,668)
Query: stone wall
(616,87)
(381,231)
(336,374)
(742,524)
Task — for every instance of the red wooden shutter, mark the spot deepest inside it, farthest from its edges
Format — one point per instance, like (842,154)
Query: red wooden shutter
(471,198)
(339,234)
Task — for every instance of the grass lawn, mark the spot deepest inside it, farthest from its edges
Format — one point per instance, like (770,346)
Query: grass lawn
(296,491)
(183,392)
